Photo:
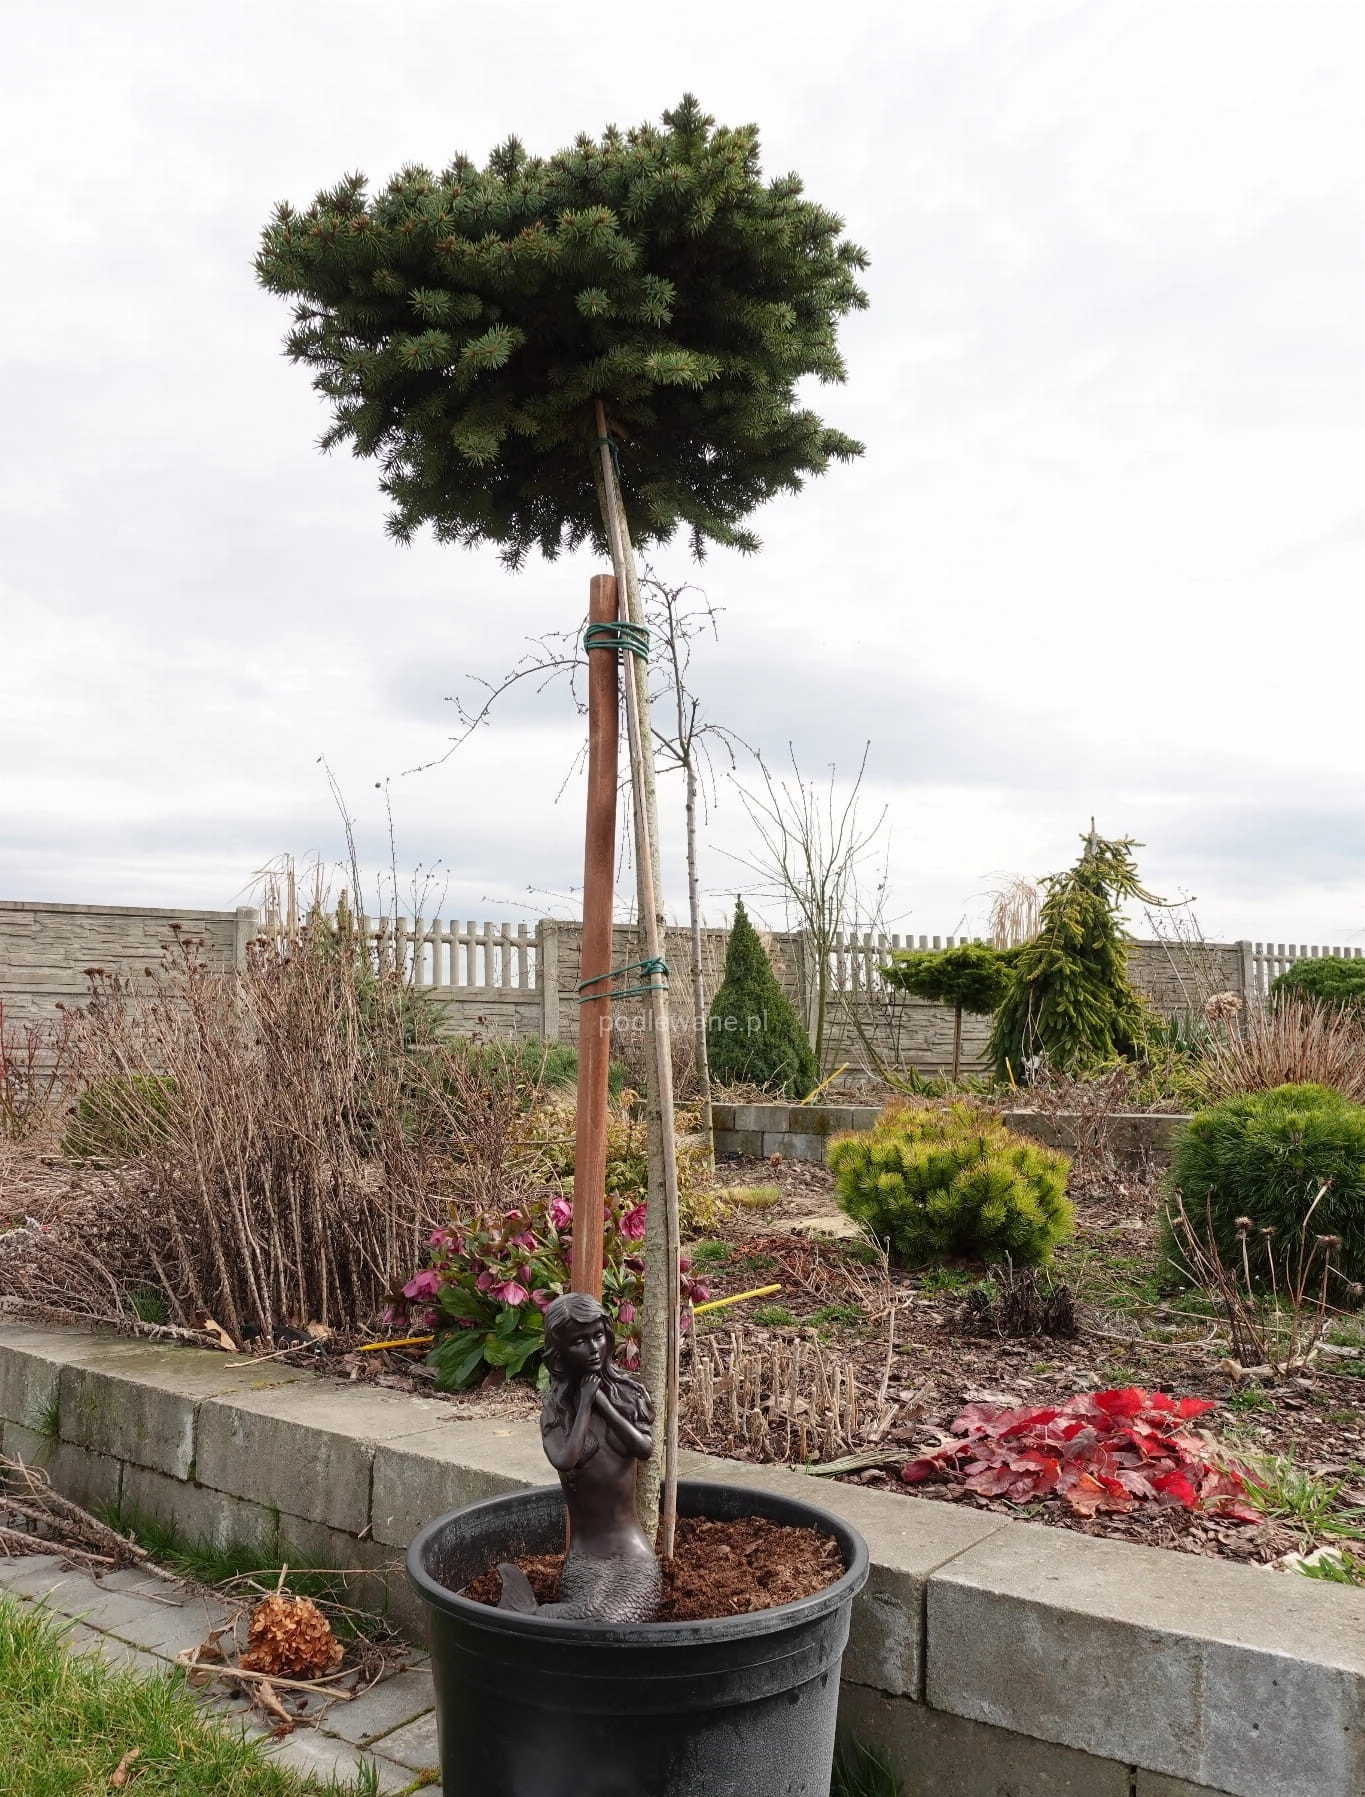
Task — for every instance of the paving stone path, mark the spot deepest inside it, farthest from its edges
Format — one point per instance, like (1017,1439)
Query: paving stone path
(133,1618)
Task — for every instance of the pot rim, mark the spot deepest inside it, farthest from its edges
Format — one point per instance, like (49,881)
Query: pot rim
(646,1634)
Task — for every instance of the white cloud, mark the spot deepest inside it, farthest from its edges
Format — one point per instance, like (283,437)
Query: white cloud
(1104,554)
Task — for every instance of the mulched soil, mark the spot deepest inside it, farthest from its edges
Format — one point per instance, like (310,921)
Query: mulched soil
(718,1569)
(1130,1334)
(835,1298)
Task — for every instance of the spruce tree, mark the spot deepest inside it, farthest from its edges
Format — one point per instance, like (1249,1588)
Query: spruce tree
(754,1035)
(463,324)
(1070,998)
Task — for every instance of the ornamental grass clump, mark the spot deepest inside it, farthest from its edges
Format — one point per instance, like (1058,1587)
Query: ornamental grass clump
(939,1183)
(1255,1170)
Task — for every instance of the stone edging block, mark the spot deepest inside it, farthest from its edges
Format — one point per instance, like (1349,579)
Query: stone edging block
(1193,1674)
(1230,1676)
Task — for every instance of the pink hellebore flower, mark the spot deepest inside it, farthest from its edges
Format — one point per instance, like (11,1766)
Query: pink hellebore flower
(509,1292)
(525,1240)
(561,1213)
(633,1224)
(436,1239)
(542,1298)
(485,1281)
(626,1314)
(422,1286)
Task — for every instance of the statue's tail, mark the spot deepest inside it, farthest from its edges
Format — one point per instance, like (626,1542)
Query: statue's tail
(516,1591)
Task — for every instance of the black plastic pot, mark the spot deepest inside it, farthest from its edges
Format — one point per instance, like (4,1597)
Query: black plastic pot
(528,1706)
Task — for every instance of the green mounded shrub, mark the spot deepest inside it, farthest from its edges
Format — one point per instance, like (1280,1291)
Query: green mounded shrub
(1329,979)
(1265,1156)
(934,1183)
(753,1034)
(116,1119)
(973,977)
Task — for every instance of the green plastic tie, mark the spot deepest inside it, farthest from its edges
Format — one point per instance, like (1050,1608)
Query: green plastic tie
(614,450)
(615,635)
(654,968)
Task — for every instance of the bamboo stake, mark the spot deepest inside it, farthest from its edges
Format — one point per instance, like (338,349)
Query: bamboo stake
(594,1012)
(662,1280)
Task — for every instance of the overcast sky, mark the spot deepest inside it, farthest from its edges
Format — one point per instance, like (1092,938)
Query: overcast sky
(1104,554)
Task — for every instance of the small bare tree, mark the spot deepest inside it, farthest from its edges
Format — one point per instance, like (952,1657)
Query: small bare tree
(677,615)
(814,851)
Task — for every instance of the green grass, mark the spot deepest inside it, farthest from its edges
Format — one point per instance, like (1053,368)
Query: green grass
(1348,1333)
(67,1720)
(752,1263)
(149,1305)
(234,1562)
(1250,1397)
(1309,1503)
(773,1316)
(861,1771)
(47,1418)
(1339,1568)
(710,1254)
(844,1315)
(946,1279)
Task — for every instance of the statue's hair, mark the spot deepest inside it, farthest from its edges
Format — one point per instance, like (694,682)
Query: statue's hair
(564,1315)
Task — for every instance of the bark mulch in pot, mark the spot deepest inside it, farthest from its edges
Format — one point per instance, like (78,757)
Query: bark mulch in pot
(718,1569)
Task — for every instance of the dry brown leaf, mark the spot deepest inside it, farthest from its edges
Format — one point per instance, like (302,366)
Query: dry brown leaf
(123,1771)
(220,1335)
(264,1695)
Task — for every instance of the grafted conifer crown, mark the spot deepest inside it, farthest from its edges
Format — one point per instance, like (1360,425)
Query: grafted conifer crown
(462,325)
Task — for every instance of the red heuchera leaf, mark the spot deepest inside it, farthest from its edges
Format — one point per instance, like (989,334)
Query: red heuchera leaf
(1101,1451)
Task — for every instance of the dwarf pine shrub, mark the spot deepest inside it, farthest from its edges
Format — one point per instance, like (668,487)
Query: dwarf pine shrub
(934,1183)
(1266,1156)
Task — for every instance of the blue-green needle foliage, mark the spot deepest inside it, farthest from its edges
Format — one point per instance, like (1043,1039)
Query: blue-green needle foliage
(934,1183)
(463,324)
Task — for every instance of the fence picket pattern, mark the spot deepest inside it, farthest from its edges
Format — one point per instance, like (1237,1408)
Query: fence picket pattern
(501,959)
(1270,959)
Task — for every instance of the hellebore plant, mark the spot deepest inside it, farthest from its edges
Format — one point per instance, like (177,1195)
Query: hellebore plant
(491,1277)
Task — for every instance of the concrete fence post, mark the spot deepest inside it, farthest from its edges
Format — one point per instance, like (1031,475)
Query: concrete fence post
(247,924)
(1247,962)
(547,977)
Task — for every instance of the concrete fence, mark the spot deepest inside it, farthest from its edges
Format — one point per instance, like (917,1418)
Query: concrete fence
(500,978)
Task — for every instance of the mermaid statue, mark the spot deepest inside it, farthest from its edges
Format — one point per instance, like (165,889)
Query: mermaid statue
(596,1424)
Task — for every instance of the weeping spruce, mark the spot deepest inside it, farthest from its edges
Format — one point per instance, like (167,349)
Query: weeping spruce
(1070,998)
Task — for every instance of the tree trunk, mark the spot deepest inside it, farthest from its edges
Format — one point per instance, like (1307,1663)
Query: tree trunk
(660,1327)
(701,1051)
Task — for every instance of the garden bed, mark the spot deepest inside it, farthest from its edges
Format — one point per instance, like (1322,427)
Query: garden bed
(830,1321)
(1130,1335)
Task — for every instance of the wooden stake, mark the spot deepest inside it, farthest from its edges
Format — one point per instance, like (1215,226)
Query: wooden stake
(594,1013)
(662,1281)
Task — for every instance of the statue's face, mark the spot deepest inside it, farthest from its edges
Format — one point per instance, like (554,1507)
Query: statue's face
(585,1349)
